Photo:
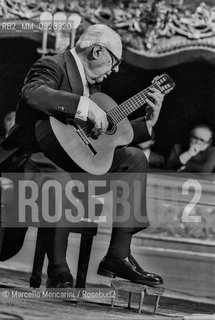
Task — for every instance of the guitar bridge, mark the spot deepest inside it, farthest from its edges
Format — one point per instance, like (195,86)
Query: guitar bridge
(84,138)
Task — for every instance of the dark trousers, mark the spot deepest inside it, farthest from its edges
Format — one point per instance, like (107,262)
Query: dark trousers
(129,164)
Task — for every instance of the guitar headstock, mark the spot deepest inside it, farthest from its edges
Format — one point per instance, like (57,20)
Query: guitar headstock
(164,83)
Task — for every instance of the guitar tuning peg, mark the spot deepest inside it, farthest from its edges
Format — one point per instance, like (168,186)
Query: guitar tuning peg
(155,79)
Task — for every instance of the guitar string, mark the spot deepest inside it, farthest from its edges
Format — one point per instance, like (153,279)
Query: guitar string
(121,111)
(132,104)
(125,109)
(129,106)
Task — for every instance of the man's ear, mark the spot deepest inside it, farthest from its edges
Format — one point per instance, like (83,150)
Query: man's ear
(97,51)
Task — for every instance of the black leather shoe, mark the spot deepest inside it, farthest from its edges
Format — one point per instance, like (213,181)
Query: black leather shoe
(145,273)
(62,280)
(127,269)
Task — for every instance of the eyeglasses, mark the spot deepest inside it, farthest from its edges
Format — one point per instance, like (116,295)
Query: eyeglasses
(115,61)
(194,137)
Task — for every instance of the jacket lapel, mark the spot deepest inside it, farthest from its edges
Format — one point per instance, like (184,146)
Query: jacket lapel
(73,73)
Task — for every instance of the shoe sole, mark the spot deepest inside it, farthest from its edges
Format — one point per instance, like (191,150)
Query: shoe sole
(106,273)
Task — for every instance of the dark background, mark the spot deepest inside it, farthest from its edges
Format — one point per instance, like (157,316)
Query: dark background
(191,102)
(16,57)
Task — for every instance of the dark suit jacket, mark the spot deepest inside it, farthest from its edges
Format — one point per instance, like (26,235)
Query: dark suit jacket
(52,87)
(203,162)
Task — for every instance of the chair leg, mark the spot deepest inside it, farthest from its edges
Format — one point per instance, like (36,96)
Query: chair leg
(83,261)
(1,228)
(39,256)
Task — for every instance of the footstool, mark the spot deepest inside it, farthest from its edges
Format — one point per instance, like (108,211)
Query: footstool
(132,287)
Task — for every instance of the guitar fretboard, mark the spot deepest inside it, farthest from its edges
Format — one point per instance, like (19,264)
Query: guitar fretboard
(121,111)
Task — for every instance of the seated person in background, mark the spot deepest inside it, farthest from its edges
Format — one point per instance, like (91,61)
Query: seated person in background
(155,160)
(9,121)
(200,155)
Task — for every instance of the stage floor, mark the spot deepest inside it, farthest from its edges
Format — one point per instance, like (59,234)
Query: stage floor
(38,307)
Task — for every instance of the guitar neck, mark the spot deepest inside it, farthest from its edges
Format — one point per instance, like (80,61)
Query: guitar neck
(127,107)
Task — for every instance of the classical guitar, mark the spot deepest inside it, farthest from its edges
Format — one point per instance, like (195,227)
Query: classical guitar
(95,154)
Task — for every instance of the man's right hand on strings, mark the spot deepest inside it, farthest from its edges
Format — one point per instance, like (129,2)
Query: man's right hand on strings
(97,116)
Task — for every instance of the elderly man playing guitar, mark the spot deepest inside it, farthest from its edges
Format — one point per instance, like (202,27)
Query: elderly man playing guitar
(57,91)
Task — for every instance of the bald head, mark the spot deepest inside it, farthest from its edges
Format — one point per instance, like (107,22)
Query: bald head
(102,35)
(100,50)
(202,136)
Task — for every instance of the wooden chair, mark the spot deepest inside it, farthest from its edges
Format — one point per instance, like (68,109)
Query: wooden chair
(87,230)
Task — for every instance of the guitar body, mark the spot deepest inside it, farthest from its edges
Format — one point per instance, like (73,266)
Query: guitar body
(96,155)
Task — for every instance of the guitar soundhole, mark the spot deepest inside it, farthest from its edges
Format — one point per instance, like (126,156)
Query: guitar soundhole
(111,127)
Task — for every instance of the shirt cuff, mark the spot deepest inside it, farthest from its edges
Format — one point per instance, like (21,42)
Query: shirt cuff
(83,107)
